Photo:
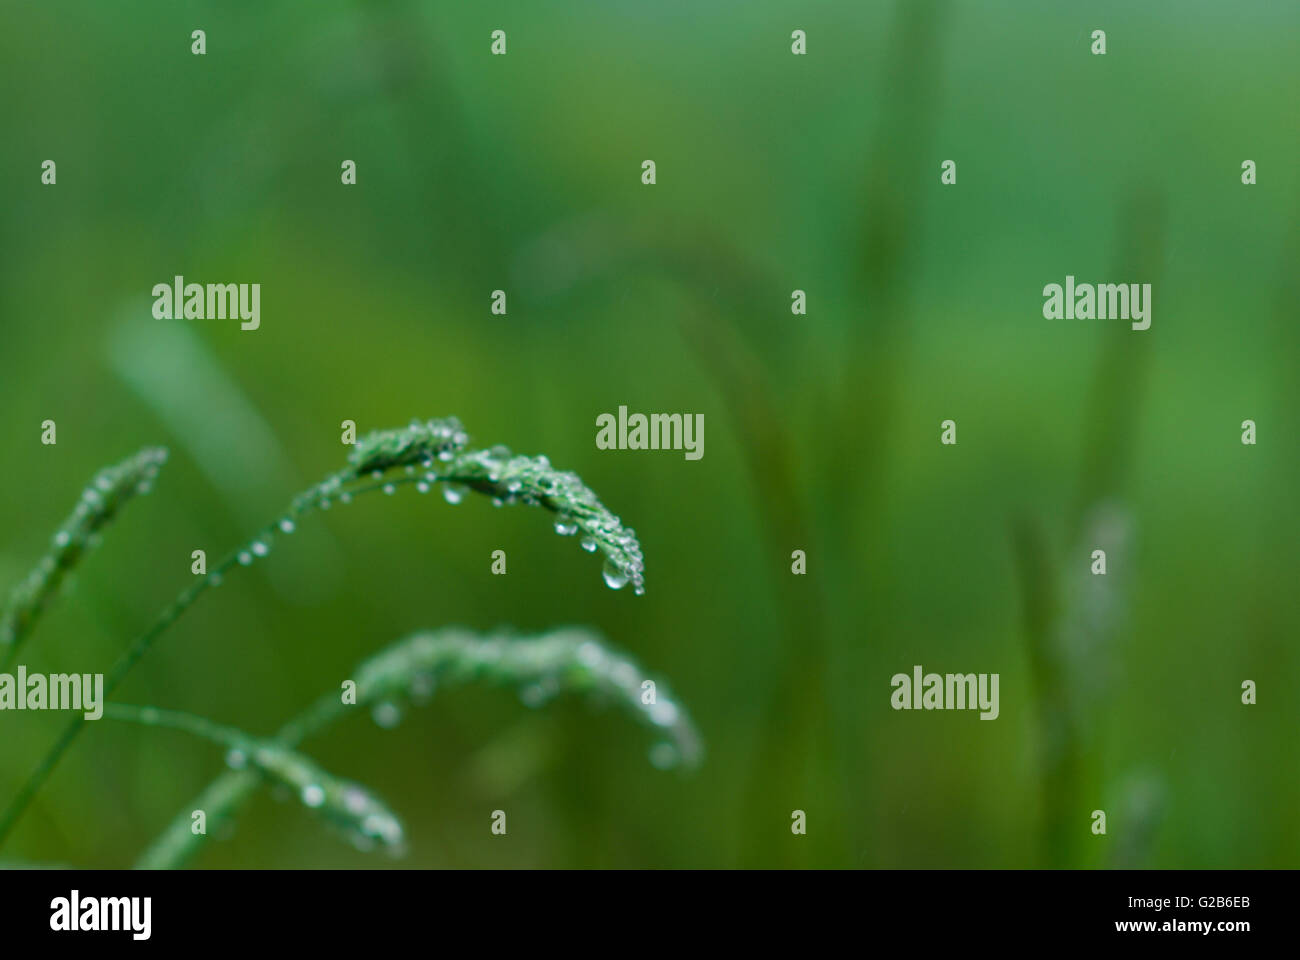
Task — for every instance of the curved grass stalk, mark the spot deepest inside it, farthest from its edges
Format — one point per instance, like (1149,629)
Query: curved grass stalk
(424,453)
(99,504)
(349,807)
(567,660)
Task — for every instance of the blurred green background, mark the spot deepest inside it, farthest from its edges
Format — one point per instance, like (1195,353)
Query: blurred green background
(775,173)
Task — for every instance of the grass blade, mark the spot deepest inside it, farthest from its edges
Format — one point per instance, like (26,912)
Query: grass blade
(99,504)
(567,660)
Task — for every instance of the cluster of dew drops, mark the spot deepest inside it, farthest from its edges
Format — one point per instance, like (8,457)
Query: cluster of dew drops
(612,674)
(97,497)
(496,463)
(368,819)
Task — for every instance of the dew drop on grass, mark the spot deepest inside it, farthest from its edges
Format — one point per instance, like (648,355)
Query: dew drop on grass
(589,544)
(422,487)
(286,525)
(355,800)
(422,686)
(390,489)
(386,715)
(62,538)
(614,576)
(453,493)
(565,528)
(532,695)
(260,549)
(236,760)
(385,828)
(245,558)
(664,756)
(663,713)
(313,795)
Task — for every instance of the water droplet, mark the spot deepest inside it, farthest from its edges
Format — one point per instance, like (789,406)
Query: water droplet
(390,489)
(533,695)
(614,576)
(386,715)
(383,827)
(61,538)
(663,713)
(453,493)
(626,676)
(286,525)
(589,544)
(422,685)
(260,549)
(565,528)
(664,756)
(422,487)
(313,795)
(245,558)
(236,760)
(445,455)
